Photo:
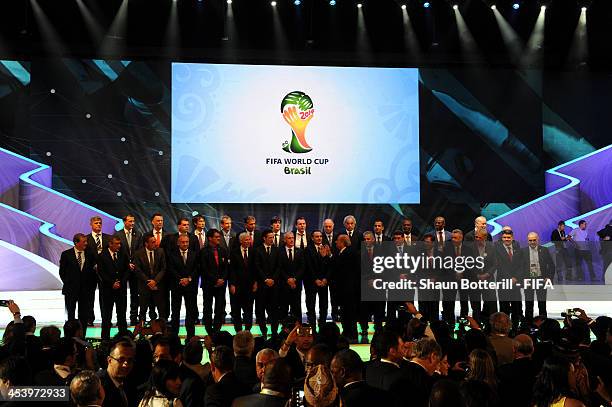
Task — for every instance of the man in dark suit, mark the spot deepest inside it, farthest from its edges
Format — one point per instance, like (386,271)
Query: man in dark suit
(559,237)
(480,224)
(346,274)
(226,387)
(182,266)
(162,240)
(76,272)
(379,229)
(182,227)
(275,390)
(509,263)
(64,361)
(429,298)
(96,242)
(516,379)
(538,266)
(131,241)
(347,368)
(250,226)
(302,240)
(329,239)
(199,233)
(483,302)
(316,278)
(228,238)
(150,270)
(120,363)
(384,372)
(416,376)
(373,308)
(86,389)
(350,225)
(411,234)
(459,252)
(440,234)
(214,266)
(292,265)
(114,270)
(275,227)
(268,276)
(242,283)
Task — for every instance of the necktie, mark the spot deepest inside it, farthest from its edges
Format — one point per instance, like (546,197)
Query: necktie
(457,251)
(128,238)
(216,253)
(350,233)
(407,238)
(562,234)
(400,249)
(440,237)
(227,239)
(329,239)
(114,256)
(245,257)
(291,255)
(276,240)
(251,234)
(268,250)
(98,243)
(201,240)
(80,260)
(157,238)
(510,252)
(370,253)
(378,239)
(302,241)
(151,261)
(317,249)
(184,253)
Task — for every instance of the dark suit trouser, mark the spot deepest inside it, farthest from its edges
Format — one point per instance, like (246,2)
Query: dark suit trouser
(349,312)
(146,296)
(449,298)
(334,298)
(134,302)
(267,303)
(218,295)
(242,308)
(312,291)
(82,299)
(429,304)
(113,298)
(90,300)
(588,259)
(483,303)
(510,302)
(292,300)
(562,256)
(529,303)
(191,306)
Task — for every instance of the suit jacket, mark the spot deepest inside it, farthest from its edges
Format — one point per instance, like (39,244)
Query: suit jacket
(346,275)
(467,250)
(92,248)
(267,266)
(381,375)
(110,271)
(331,244)
(192,387)
(260,400)
(210,271)
(385,238)
(415,384)
(507,268)
(242,275)
(291,269)
(469,236)
(223,393)
(356,239)
(129,250)
(516,382)
(257,238)
(176,269)
(490,258)
(317,266)
(308,240)
(555,237)
(232,241)
(547,267)
(172,242)
(112,396)
(361,394)
(434,233)
(73,277)
(164,243)
(51,378)
(143,270)
(293,359)
(244,369)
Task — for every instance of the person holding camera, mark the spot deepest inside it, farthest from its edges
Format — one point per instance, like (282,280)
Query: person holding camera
(295,348)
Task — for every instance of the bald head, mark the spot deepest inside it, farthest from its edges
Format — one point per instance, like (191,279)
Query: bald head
(522,346)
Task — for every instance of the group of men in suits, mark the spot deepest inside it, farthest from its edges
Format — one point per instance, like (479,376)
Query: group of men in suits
(266,272)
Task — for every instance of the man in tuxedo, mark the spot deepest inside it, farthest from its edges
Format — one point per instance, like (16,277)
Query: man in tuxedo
(131,241)
(96,242)
(114,270)
(302,241)
(329,236)
(346,274)
(250,226)
(538,265)
(316,279)
(268,283)
(347,370)
(411,235)
(199,233)
(228,238)
(480,224)
(242,283)
(275,226)
(483,302)
(350,224)
(76,272)
(150,270)
(459,252)
(292,265)
(558,237)
(509,261)
(442,236)
(214,264)
(379,228)
(182,266)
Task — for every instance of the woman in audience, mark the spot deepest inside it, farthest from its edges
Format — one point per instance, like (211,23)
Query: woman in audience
(164,386)
(481,369)
(553,386)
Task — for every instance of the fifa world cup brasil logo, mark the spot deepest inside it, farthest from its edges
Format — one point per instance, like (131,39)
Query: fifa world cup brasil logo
(297,109)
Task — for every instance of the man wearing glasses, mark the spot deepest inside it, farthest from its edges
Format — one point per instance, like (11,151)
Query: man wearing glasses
(120,363)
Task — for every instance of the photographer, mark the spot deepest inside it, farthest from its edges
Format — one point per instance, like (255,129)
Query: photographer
(295,348)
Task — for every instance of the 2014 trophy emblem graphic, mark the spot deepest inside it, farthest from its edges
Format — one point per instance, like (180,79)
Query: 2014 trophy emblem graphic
(297,110)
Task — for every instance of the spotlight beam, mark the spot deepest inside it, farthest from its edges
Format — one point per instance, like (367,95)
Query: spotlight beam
(533,50)
(49,37)
(510,37)
(579,52)
(466,39)
(115,36)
